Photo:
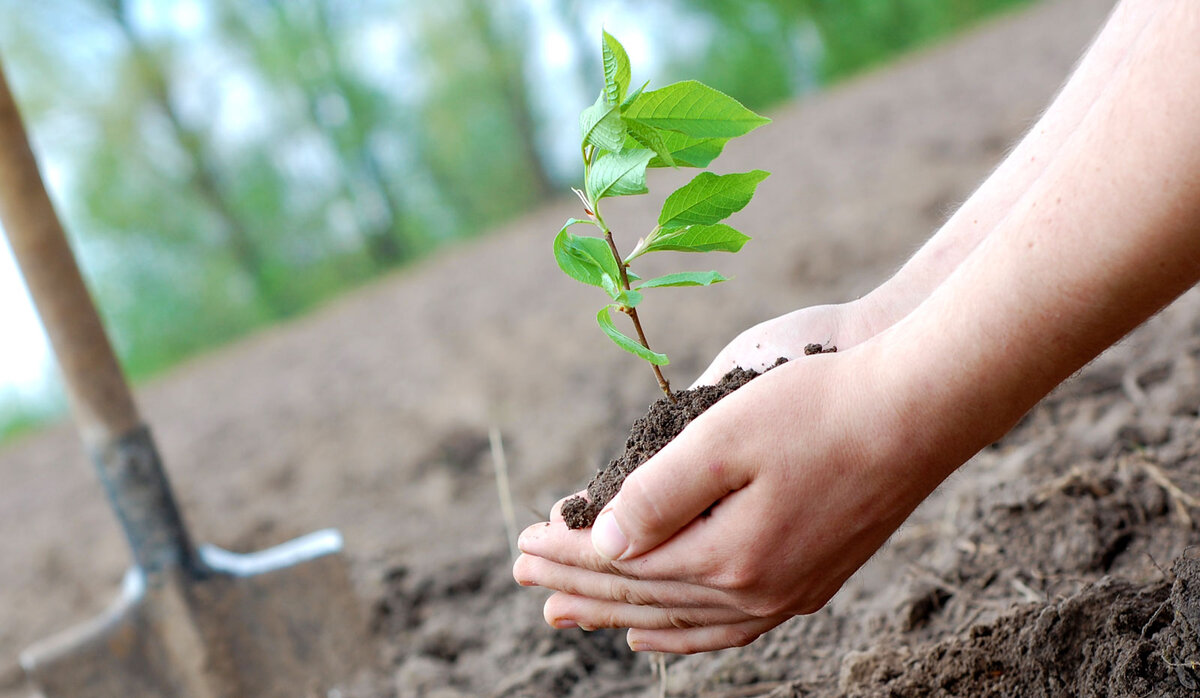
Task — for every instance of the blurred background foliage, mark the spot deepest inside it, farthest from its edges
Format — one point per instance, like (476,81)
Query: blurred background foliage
(223,164)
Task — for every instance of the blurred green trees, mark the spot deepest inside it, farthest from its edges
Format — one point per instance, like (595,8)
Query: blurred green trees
(227,163)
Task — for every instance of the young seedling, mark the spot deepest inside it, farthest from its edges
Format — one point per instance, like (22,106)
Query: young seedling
(685,124)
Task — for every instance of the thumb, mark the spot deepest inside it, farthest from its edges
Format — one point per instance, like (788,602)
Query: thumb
(722,364)
(663,495)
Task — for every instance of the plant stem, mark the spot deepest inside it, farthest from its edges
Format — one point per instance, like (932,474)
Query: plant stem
(632,313)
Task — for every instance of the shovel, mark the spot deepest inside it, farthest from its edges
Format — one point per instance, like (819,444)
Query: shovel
(190,621)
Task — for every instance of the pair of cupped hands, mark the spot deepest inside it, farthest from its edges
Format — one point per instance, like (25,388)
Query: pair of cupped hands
(804,472)
(1087,229)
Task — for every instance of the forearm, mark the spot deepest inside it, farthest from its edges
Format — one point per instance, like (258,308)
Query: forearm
(1106,236)
(983,211)
(850,324)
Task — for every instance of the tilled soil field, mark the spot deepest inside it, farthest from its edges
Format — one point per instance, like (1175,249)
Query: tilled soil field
(1055,563)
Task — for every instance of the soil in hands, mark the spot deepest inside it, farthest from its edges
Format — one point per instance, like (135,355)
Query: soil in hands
(662,423)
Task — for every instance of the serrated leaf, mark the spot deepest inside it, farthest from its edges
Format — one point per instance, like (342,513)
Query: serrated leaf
(684,278)
(584,258)
(696,238)
(651,138)
(616,70)
(696,110)
(618,174)
(627,343)
(632,96)
(689,152)
(601,125)
(709,199)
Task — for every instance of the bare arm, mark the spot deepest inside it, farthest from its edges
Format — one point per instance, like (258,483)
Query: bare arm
(849,324)
(803,487)
(1105,237)
(985,209)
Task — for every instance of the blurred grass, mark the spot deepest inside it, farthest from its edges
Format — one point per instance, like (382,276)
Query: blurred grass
(19,417)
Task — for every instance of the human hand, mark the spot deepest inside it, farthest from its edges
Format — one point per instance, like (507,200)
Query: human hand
(842,325)
(806,473)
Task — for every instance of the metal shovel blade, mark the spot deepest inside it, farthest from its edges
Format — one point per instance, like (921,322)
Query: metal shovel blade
(199,621)
(280,622)
(191,622)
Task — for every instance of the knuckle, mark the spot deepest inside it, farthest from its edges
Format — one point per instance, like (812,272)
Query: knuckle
(690,646)
(679,620)
(620,590)
(765,607)
(740,637)
(738,578)
(814,602)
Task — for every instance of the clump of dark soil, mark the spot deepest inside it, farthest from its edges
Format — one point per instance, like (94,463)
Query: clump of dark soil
(1112,638)
(662,423)
(1099,642)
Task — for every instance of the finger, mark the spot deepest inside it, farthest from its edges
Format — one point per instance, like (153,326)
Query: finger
(706,639)
(670,490)
(557,543)
(529,570)
(563,609)
(716,370)
(554,541)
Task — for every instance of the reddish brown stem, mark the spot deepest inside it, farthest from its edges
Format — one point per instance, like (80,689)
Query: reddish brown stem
(632,313)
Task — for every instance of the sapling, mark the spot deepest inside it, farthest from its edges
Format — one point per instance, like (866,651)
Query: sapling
(685,124)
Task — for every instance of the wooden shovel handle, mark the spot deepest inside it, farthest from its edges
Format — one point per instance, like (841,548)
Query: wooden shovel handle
(100,397)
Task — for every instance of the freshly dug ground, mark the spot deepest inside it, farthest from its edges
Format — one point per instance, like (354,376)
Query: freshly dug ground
(1055,563)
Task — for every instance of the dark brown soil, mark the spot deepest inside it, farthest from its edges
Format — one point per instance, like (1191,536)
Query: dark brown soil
(663,422)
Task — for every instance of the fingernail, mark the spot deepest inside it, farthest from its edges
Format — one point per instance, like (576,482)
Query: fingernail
(607,538)
(640,645)
(564,623)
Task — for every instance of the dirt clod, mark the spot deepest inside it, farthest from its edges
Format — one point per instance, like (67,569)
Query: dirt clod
(662,423)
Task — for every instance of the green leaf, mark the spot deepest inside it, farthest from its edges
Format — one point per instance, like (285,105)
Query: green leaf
(632,97)
(696,238)
(618,174)
(687,151)
(651,138)
(584,258)
(627,343)
(696,110)
(616,70)
(622,297)
(601,125)
(685,278)
(709,199)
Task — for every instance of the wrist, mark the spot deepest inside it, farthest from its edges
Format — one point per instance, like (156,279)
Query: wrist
(872,314)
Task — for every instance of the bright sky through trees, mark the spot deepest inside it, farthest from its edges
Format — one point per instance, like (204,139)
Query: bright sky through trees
(24,354)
